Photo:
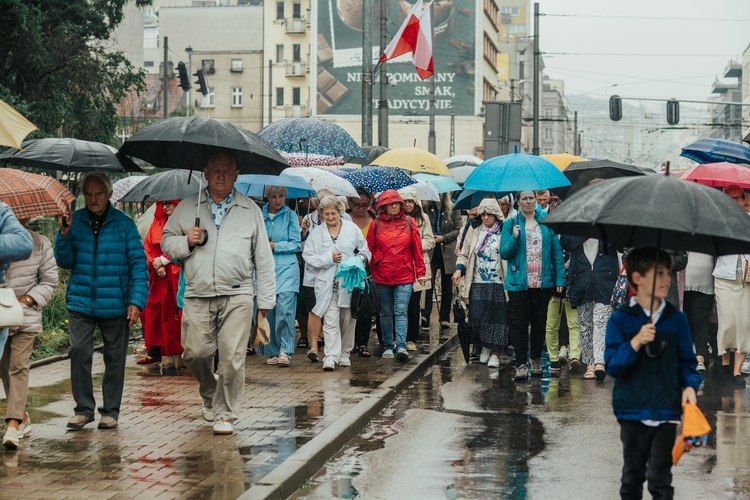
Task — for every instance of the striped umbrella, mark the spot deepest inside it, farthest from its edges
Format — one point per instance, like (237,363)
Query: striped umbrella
(717,150)
(32,195)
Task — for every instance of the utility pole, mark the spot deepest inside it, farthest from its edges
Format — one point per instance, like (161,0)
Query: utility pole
(575,133)
(165,83)
(189,92)
(535,146)
(270,91)
(453,131)
(431,141)
(367,73)
(383,102)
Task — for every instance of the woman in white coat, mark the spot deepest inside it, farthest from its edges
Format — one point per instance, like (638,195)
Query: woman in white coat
(325,249)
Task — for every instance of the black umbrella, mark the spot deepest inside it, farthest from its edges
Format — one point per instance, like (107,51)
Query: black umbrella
(580,173)
(188,143)
(372,152)
(169,185)
(655,210)
(69,155)
(464,329)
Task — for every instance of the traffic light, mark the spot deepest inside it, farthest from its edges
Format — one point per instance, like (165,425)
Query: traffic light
(615,108)
(184,78)
(201,83)
(673,111)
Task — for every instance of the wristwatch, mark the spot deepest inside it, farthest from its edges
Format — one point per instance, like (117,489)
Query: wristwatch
(28,301)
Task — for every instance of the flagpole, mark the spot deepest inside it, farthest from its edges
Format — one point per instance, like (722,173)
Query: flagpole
(431,140)
(383,103)
(367,73)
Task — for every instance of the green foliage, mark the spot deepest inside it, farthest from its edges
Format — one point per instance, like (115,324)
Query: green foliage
(57,68)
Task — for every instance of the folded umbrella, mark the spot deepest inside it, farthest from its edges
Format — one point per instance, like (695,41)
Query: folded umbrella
(464,329)
(352,273)
(32,195)
(695,429)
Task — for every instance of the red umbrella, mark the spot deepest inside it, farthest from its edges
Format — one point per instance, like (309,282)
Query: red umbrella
(719,174)
(32,195)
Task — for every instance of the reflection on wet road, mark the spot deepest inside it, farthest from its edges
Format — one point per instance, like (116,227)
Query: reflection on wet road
(469,432)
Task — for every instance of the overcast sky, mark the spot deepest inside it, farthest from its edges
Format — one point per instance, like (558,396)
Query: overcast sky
(687,54)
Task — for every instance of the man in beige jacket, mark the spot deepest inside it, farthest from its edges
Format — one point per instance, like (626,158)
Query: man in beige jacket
(227,262)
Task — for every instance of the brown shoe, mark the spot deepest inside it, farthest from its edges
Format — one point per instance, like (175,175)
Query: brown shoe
(107,422)
(78,421)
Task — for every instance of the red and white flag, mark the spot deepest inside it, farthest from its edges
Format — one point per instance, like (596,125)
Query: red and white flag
(414,36)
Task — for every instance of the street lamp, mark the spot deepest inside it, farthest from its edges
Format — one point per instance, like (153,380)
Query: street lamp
(189,51)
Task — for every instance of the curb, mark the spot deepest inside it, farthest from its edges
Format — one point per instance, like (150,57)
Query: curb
(63,357)
(304,463)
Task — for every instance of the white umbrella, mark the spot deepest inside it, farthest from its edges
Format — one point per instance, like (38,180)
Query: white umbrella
(460,160)
(124,185)
(461,173)
(426,191)
(320,179)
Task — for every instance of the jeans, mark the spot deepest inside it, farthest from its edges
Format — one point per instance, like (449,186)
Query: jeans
(647,453)
(394,304)
(281,322)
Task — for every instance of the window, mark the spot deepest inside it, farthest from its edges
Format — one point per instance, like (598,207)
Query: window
(547,151)
(296,10)
(296,52)
(279,10)
(279,53)
(208,66)
(516,28)
(209,100)
(513,11)
(236,65)
(236,97)
(279,96)
(548,133)
(295,96)
(148,64)
(548,113)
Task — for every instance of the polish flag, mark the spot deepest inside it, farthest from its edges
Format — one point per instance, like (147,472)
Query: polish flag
(414,36)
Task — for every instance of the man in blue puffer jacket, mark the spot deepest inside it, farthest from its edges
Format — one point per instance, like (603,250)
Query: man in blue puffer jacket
(108,287)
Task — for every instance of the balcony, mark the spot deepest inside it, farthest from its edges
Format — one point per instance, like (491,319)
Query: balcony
(296,69)
(295,25)
(295,111)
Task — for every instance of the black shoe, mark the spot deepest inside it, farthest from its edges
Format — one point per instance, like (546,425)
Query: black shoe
(724,373)
(739,381)
(554,369)
(302,343)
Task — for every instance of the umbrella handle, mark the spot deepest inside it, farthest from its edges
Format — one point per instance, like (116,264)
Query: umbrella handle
(205,233)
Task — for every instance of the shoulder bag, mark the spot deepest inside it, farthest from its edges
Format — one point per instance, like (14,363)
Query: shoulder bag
(11,313)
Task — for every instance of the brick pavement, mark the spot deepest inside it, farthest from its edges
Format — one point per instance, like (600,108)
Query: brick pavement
(163,448)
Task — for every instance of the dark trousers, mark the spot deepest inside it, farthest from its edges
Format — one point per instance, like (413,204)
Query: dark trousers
(412,329)
(647,452)
(446,285)
(564,333)
(698,307)
(115,333)
(528,307)
(362,331)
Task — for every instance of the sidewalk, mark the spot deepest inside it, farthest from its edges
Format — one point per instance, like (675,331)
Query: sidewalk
(292,420)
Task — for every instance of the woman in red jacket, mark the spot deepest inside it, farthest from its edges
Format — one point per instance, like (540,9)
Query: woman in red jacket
(161,318)
(397,262)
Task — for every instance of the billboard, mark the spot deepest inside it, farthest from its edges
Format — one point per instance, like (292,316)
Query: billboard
(337,44)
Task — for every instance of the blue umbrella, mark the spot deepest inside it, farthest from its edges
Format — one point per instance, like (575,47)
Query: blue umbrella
(379,179)
(717,150)
(470,198)
(441,183)
(310,136)
(515,172)
(255,185)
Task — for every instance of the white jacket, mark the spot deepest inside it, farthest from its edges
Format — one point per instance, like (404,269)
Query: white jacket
(318,254)
(225,265)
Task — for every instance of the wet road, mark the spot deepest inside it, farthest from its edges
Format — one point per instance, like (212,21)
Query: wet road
(469,432)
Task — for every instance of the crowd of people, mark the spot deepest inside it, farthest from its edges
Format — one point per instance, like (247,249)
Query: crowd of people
(198,287)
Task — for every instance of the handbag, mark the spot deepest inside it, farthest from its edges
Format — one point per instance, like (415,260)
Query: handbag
(365,301)
(620,292)
(11,313)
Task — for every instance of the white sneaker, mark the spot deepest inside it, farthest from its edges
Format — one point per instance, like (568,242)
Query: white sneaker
(25,428)
(223,427)
(564,355)
(11,438)
(484,356)
(345,362)
(207,412)
(329,365)
(411,346)
(746,367)
(494,362)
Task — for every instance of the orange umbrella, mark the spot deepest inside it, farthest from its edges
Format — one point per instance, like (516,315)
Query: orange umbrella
(13,126)
(562,160)
(32,195)
(695,429)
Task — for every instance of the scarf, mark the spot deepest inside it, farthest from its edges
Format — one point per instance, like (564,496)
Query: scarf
(484,235)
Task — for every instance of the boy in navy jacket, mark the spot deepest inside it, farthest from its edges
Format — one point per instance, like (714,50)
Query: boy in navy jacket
(654,367)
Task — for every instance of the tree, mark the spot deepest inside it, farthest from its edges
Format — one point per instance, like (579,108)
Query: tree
(56,67)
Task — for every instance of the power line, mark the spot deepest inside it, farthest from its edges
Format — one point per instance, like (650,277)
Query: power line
(610,54)
(654,18)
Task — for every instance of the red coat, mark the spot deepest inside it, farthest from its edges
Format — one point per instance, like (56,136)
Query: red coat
(161,319)
(397,257)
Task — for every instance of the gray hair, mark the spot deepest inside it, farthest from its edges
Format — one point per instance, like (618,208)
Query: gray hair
(275,189)
(332,202)
(222,154)
(99,176)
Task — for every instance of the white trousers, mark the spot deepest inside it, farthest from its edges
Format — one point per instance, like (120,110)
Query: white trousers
(338,331)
